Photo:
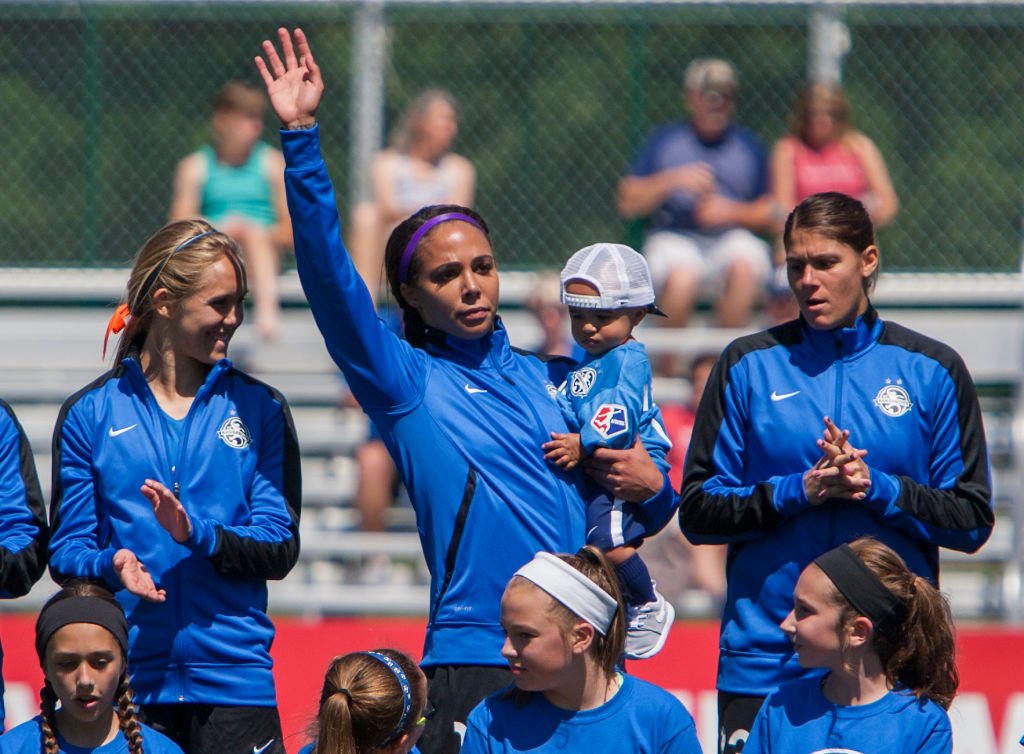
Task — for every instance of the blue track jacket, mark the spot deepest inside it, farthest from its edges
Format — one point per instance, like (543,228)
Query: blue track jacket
(236,471)
(908,400)
(23,529)
(464,421)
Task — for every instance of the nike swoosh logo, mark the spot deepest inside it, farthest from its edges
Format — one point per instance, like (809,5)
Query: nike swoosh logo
(115,432)
(783,396)
(591,531)
(470,389)
(261,749)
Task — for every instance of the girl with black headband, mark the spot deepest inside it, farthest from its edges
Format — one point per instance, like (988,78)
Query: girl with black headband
(371,701)
(82,643)
(885,636)
(176,485)
(461,412)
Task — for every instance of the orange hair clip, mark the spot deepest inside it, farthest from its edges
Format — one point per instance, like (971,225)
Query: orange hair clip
(118,321)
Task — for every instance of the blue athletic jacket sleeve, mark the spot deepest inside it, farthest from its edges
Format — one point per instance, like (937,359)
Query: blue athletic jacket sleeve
(79,547)
(267,546)
(23,528)
(383,371)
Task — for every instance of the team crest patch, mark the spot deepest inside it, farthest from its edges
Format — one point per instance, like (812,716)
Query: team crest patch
(234,433)
(581,381)
(893,399)
(610,420)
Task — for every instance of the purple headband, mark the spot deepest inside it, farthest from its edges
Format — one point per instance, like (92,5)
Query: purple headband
(410,248)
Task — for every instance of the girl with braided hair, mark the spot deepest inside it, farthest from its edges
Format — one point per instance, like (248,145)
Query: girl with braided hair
(371,701)
(82,643)
(885,636)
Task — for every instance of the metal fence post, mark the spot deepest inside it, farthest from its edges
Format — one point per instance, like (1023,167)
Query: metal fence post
(367,114)
(828,42)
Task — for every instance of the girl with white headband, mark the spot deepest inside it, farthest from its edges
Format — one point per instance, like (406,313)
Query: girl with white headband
(885,637)
(565,631)
(371,701)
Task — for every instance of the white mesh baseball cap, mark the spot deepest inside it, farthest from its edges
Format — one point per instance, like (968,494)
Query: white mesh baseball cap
(620,275)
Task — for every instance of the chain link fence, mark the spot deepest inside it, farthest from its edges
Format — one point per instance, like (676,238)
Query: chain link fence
(101,100)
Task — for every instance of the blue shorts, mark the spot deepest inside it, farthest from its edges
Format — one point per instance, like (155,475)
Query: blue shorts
(612,522)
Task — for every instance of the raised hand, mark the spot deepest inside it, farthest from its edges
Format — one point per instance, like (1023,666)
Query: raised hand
(135,577)
(295,85)
(168,510)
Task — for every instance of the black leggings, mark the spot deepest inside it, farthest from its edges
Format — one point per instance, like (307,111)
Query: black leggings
(736,713)
(455,690)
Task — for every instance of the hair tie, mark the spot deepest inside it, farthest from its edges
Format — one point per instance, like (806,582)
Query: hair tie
(332,690)
(410,248)
(118,321)
(403,683)
(861,587)
(572,588)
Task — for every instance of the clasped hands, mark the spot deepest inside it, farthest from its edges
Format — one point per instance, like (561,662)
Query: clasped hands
(840,472)
(171,515)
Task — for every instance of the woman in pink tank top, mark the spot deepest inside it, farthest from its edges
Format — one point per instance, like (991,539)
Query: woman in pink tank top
(823,152)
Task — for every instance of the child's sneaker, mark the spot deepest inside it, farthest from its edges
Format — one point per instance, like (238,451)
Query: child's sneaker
(648,628)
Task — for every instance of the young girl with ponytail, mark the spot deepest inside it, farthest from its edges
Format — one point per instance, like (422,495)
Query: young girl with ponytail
(82,643)
(565,631)
(885,636)
(371,701)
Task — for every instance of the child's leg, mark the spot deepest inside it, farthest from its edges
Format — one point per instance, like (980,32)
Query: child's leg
(612,527)
(615,526)
(634,578)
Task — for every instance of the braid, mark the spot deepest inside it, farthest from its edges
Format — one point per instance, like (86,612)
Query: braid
(48,722)
(127,719)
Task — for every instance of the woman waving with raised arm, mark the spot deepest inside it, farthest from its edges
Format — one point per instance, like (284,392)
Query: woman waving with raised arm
(462,413)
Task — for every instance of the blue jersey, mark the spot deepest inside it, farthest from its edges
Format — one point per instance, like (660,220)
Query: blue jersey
(798,719)
(641,719)
(27,737)
(737,159)
(23,529)
(463,419)
(608,400)
(236,472)
(905,398)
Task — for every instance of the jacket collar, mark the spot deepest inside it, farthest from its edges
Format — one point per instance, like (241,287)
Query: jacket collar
(472,353)
(845,341)
(131,366)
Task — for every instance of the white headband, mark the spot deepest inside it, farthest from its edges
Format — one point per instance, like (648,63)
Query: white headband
(579,594)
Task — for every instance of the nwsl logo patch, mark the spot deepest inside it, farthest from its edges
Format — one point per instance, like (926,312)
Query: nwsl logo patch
(610,420)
